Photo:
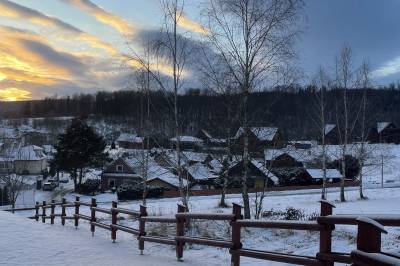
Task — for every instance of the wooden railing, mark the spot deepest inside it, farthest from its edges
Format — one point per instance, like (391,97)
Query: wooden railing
(368,253)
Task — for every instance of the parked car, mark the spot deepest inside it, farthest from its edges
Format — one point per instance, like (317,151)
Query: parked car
(64,180)
(48,186)
(55,181)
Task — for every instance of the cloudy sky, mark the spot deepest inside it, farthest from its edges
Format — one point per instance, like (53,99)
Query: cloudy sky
(62,47)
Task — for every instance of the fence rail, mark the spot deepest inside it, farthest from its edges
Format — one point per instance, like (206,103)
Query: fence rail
(368,252)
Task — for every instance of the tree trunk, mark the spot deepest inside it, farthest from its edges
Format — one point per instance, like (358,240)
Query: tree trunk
(80,176)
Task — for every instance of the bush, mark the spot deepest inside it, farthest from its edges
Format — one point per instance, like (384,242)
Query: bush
(90,187)
(135,192)
(294,214)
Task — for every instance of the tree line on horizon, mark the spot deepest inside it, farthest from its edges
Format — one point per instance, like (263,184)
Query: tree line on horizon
(289,109)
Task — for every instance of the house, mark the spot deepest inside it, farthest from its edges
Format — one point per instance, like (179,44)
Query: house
(384,132)
(332,175)
(29,160)
(258,176)
(134,170)
(287,157)
(118,173)
(259,139)
(210,141)
(302,144)
(189,143)
(331,134)
(129,141)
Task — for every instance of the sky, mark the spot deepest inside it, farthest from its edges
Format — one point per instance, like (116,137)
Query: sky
(62,47)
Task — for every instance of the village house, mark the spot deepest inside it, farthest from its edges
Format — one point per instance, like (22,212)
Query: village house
(129,141)
(210,142)
(30,160)
(258,176)
(259,139)
(188,143)
(384,132)
(331,134)
(332,175)
(117,173)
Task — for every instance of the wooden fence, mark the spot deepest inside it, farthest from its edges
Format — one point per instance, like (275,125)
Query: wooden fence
(368,253)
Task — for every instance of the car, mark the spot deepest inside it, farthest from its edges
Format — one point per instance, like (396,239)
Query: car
(55,181)
(48,186)
(65,180)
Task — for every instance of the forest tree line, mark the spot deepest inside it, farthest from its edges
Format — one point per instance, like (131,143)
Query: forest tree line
(293,110)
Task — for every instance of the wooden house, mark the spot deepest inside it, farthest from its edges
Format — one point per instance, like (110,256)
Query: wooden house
(118,173)
(384,132)
(331,134)
(259,139)
(129,141)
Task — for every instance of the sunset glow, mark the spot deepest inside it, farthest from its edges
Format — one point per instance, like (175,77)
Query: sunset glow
(14,94)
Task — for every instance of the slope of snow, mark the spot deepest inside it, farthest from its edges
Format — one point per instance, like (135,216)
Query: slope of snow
(26,242)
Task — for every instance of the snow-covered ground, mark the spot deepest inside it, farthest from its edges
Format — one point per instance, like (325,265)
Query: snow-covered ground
(38,238)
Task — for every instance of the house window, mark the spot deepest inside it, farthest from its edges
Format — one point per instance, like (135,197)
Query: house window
(120,168)
(111,183)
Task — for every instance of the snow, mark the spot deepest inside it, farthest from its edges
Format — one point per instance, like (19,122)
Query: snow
(265,171)
(133,138)
(329,128)
(380,126)
(200,172)
(32,243)
(262,133)
(318,173)
(187,139)
(30,153)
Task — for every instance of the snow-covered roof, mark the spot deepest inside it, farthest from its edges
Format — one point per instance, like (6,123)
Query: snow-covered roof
(29,153)
(262,133)
(380,126)
(299,155)
(195,156)
(329,128)
(260,166)
(154,170)
(187,139)
(9,133)
(133,138)
(200,171)
(318,173)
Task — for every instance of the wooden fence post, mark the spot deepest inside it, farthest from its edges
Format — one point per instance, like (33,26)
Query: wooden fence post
(235,228)
(180,231)
(114,214)
(76,216)
(93,215)
(52,214)
(369,235)
(44,212)
(63,213)
(325,236)
(142,228)
(37,211)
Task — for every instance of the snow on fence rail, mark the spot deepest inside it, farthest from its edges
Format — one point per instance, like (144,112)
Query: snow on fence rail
(368,253)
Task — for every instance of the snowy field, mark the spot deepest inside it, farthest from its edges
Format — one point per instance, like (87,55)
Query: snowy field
(35,241)
(39,244)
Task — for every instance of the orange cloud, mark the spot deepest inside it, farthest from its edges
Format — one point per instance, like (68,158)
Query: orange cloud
(103,16)
(191,25)
(69,32)
(14,94)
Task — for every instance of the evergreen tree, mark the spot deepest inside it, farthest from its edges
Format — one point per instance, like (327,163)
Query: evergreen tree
(79,148)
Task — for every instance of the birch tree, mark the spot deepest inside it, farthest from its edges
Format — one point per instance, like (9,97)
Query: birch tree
(253,37)
(322,83)
(171,51)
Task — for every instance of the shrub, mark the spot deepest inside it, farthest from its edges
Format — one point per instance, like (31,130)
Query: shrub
(90,187)
(135,192)
(294,214)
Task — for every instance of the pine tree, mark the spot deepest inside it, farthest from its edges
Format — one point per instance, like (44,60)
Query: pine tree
(78,148)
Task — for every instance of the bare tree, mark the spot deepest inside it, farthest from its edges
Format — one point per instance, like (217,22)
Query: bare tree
(322,83)
(344,81)
(253,37)
(171,49)
(363,150)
